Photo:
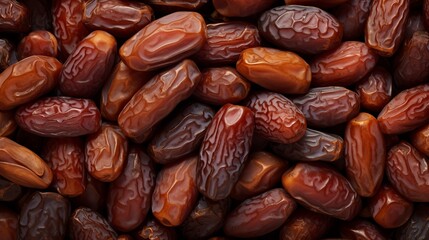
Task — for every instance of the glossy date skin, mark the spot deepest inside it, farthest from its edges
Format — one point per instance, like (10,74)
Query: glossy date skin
(59,117)
(343,66)
(225,42)
(278,71)
(153,230)
(20,165)
(224,151)
(375,90)
(182,135)
(151,48)
(305,224)
(8,223)
(420,139)
(328,106)
(323,190)
(385,25)
(241,8)
(277,119)
(158,97)
(28,80)
(38,42)
(260,215)
(15,16)
(352,15)
(176,192)
(44,216)
(87,224)
(417,227)
(88,66)
(301,29)
(361,229)
(7,123)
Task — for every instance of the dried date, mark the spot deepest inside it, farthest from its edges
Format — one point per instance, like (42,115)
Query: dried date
(15,16)
(40,42)
(153,230)
(87,224)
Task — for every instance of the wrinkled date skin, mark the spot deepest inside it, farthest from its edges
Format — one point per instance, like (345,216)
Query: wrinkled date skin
(361,229)
(7,123)
(9,191)
(176,192)
(301,29)
(88,66)
(59,117)
(408,173)
(241,8)
(66,157)
(151,48)
(20,165)
(6,52)
(278,71)
(39,42)
(157,98)
(386,24)
(224,151)
(106,153)
(313,146)
(305,224)
(261,173)
(406,111)
(87,224)
(365,154)
(418,225)
(44,216)
(225,42)
(15,16)
(8,223)
(328,106)
(260,215)
(277,119)
(322,190)
(28,80)
(153,230)
(129,197)
(420,139)
(317,3)
(389,209)
(176,5)
(352,15)
(182,135)
(118,17)
(343,66)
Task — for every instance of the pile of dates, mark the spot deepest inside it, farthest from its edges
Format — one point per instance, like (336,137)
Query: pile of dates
(214,119)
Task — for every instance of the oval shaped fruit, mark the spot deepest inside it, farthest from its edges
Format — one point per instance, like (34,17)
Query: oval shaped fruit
(40,42)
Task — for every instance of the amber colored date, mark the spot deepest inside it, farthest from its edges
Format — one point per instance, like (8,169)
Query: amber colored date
(158,97)
(352,15)
(406,111)
(224,151)
(40,42)
(323,190)
(15,16)
(343,66)
(8,223)
(59,117)
(260,215)
(87,224)
(9,191)
(417,227)
(176,192)
(6,53)
(317,3)
(153,230)
(420,139)
(328,106)
(301,29)
(278,71)
(241,8)
(361,229)
(7,123)
(182,135)
(28,80)
(305,224)
(152,48)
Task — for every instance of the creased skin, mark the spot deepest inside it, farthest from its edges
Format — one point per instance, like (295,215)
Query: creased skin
(375,90)
(87,224)
(154,230)
(306,225)
(15,16)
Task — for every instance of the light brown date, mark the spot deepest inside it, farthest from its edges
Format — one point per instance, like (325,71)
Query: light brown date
(153,230)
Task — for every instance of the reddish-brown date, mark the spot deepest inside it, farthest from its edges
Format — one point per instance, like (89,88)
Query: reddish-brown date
(278,71)
(352,15)
(361,229)
(40,14)
(176,5)
(317,3)
(129,197)
(106,153)
(343,66)
(117,17)
(224,151)
(59,117)
(28,80)
(20,165)
(44,215)
(153,230)
(88,66)
(40,42)
(375,90)
(277,119)
(241,8)
(328,106)
(417,227)
(6,53)
(9,191)
(323,190)
(261,173)
(182,135)
(153,48)
(385,26)
(313,146)
(420,139)
(301,29)
(95,195)
(408,173)
(260,215)
(66,156)
(88,224)
(225,42)
(8,223)
(407,111)
(305,224)
(365,154)
(176,192)
(158,97)
(7,123)
(414,23)
(15,16)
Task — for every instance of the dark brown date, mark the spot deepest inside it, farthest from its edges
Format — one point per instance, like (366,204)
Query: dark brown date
(95,195)
(352,15)
(420,139)
(417,227)
(87,224)
(317,3)
(59,117)
(153,230)
(9,191)
(241,8)
(15,16)
(225,149)
(8,223)
(328,106)
(6,53)
(7,123)
(301,29)
(361,229)
(182,135)
(40,42)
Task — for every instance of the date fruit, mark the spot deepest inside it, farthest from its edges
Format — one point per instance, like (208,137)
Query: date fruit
(39,42)
(15,16)
(420,139)
(317,3)
(87,224)
(305,224)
